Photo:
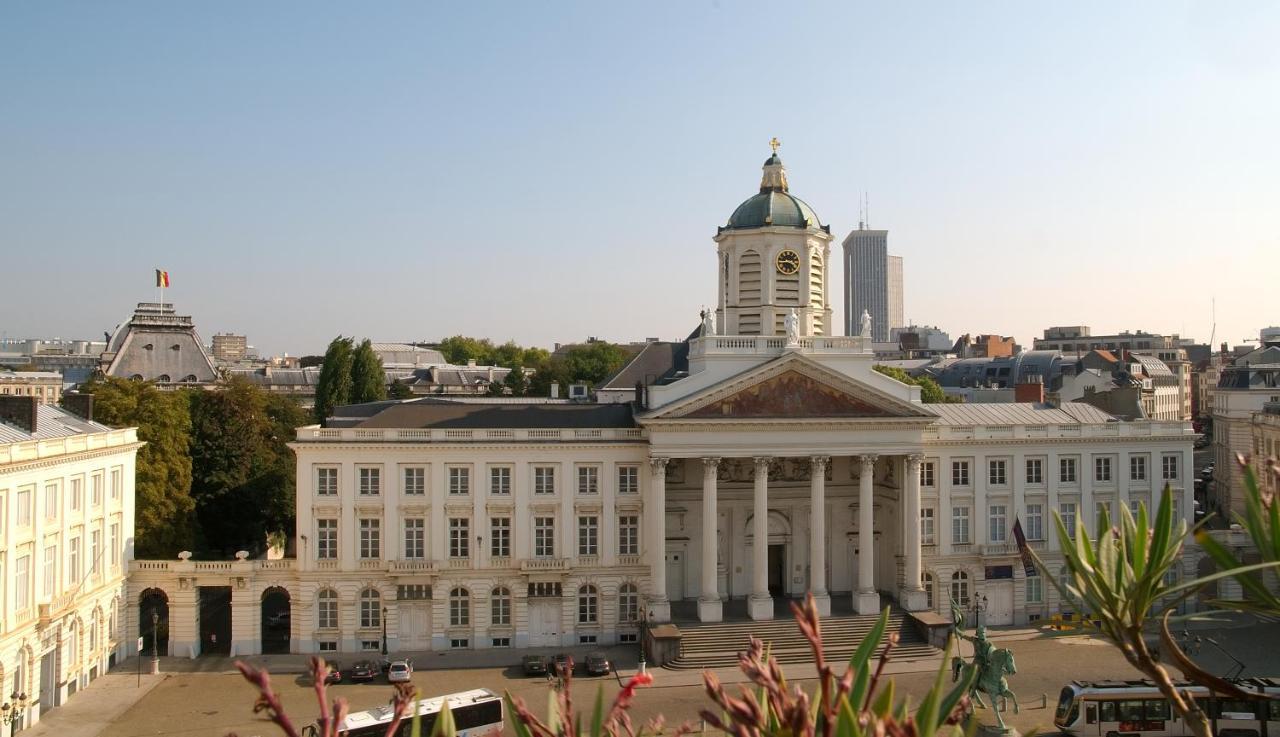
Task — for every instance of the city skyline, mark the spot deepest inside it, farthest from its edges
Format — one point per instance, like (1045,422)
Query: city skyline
(526,174)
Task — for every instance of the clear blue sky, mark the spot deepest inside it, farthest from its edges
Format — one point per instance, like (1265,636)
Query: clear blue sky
(548,171)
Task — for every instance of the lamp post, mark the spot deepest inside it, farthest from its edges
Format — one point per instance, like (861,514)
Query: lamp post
(641,665)
(155,643)
(979,606)
(384,630)
(11,711)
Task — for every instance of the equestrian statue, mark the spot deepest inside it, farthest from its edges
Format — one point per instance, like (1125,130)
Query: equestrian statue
(992,665)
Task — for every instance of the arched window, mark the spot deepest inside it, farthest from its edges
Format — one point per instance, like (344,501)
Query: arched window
(72,650)
(163,378)
(588,605)
(926,581)
(628,603)
(93,634)
(327,609)
(190,378)
(960,588)
(500,606)
(459,607)
(370,609)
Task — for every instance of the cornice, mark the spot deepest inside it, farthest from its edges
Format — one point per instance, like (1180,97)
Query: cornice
(842,423)
(82,455)
(578,443)
(1130,440)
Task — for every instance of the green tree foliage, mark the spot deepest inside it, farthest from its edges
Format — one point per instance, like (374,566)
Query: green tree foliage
(589,363)
(368,380)
(162,481)
(594,362)
(516,383)
(930,392)
(399,390)
(333,388)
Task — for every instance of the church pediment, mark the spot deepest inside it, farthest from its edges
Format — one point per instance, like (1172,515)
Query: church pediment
(788,395)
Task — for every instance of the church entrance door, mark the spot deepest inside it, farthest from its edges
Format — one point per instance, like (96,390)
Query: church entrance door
(777,570)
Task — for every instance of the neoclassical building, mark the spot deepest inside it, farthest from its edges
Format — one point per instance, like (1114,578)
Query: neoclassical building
(758,460)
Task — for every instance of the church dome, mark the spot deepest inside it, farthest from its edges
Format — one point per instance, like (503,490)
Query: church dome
(774,206)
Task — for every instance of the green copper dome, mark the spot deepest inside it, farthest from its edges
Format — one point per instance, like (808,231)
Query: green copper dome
(774,207)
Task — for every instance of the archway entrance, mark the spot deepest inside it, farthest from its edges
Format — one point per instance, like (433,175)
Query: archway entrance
(215,620)
(276,618)
(154,601)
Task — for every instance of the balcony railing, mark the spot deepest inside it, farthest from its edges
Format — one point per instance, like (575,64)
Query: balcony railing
(544,564)
(314,433)
(997,549)
(372,564)
(413,565)
(459,562)
(629,560)
(960,548)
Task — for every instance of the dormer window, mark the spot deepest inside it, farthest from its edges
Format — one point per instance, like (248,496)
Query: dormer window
(148,347)
(163,378)
(174,347)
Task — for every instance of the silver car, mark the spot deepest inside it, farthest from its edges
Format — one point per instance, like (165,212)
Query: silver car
(400,672)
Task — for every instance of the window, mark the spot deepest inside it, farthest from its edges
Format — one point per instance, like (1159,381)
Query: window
(1169,467)
(500,480)
(370,481)
(926,473)
(501,642)
(1138,468)
(959,473)
(115,483)
(960,525)
(459,643)
(95,490)
(927,534)
(500,607)
(1067,470)
(997,472)
(628,603)
(997,520)
(588,605)
(326,539)
(544,537)
(415,537)
(413,591)
(629,535)
(459,480)
(327,609)
(326,481)
(1102,469)
(73,562)
(370,609)
(589,535)
(1067,511)
(500,537)
(1035,471)
(459,537)
(95,550)
(115,546)
(24,508)
(369,645)
(459,608)
(1035,589)
(22,583)
(370,538)
(328,646)
(926,582)
(544,480)
(628,480)
(1177,507)
(51,501)
(50,571)
(415,480)
(960,588)
(588,480)
(77,494)
(1035,522)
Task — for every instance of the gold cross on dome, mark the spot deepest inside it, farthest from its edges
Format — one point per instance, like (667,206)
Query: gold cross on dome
(774,143)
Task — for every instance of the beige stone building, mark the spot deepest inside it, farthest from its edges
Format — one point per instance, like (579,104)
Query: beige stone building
(45,386)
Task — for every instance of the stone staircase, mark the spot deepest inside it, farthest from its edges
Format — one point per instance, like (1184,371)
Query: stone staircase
(716,645)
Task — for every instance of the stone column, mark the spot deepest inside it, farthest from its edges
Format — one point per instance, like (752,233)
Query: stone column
(659,607)
(709,605)
(866,600)
(818,533)
(913,595)
(760,605)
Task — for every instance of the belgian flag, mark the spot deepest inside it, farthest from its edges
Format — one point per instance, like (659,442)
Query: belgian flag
(162,278)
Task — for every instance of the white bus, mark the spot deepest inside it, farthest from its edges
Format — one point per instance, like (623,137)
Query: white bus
(476,713)
(1137,709)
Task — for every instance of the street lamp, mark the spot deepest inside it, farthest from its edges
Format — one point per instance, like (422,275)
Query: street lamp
(155,643)
(644,629)
(384,630)
(11,711)
(979,606)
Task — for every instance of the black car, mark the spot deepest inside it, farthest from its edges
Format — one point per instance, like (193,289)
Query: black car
(365,670)
(335,672)
(597,665)
(535,665)
(562,664)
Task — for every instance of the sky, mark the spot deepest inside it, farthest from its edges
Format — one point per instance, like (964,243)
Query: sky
(545,172)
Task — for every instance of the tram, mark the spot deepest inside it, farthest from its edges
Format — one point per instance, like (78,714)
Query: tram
(1137,709)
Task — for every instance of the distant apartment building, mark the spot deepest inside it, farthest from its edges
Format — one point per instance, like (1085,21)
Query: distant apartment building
(1170,349)
(873,282)
(75,360)
(921,339)
(45,386)
(1266,446)
(1243,391)
(985,346)
(229,347)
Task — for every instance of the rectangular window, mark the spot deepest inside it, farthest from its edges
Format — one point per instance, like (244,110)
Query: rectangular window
(588,535)
(50,570)
(500,480)
(1138,468)
(544,480)
(459,480)
(1102,469)
(1035,590)
(628,535)
(77,494)
(95,551)
(1035,471)
(502,642)
(415,480)
(24,508)
(327,611)
(22,583)
(326,482)
(926,473)
(960,525)
(959,473)
(415,537)
(370,481)
(95,490)
(997,473)
(370,538)
(500,537)
(544,537)
(115,547)
(326,539)
(996,523)
(1067,511)
(51,501)
(1169,467)
(459,537)
(328,646)
(628,479)
(73,562)
(1067,470)
(115,483)
(927,533)
(1035,522)
(588,480)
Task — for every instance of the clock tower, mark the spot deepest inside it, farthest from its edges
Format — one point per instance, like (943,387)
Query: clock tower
(773,259)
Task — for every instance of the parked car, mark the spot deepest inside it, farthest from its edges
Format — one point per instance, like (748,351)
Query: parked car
(597,665)
(335,672)
(535,665)
(562,664)
(365,670)
(400,672)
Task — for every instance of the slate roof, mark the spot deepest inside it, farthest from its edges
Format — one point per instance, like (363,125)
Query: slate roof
(655,361)
(1020,413)
(52,421)
(430,412)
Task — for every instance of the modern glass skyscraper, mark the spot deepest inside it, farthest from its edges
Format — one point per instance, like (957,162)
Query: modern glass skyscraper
(873,282)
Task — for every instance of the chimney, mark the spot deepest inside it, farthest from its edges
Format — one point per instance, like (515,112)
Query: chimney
(471,363)
(1030,389)
(79,404)
(20,411)
(555,390)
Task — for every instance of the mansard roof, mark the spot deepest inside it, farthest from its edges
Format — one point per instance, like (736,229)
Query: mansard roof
(431,412)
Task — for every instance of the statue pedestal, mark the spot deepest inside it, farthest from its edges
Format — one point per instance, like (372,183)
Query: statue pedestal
(992,730)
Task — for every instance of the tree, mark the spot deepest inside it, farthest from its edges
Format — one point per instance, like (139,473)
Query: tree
(333,388)
(162,482)
(368,380)
(930,392)
(594,362)
(459,349)
(399,390)
(516,382)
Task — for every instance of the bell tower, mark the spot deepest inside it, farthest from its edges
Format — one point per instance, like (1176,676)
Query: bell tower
(773,257)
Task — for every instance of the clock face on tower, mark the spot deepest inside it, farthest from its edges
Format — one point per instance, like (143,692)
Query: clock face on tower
(788,262)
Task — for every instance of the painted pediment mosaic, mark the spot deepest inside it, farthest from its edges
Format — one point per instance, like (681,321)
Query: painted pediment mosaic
(788,395)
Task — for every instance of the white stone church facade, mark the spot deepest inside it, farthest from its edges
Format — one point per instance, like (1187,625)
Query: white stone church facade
(768,461)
